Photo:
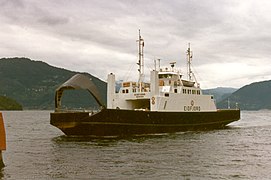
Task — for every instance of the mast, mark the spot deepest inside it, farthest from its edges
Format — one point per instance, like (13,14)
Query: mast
(140,61)
(229,106)
(189,59)
(159,64)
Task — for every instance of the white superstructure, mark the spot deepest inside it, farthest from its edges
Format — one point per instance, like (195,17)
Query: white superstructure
(166,92)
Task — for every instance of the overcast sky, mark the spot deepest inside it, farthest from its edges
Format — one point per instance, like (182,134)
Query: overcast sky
(230,39)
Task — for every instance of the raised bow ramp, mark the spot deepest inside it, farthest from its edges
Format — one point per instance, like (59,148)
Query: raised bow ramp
(78,81)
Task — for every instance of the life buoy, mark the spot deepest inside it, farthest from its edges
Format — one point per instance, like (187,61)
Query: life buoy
(192,103)
(153,100)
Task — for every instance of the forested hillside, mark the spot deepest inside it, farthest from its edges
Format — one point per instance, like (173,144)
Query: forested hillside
(219,93)
(254,96)
(9,104)
(33,83)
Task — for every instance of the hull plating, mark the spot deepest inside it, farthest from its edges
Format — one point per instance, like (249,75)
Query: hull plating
(112,122)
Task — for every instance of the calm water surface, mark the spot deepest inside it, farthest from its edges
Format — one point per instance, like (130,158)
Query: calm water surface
(37,150)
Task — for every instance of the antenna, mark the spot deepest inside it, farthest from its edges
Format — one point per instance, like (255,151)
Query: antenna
(154,64)
(140,60)
(159,64)
(189,59)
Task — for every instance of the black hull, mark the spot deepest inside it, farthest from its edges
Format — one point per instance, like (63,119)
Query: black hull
(113,122)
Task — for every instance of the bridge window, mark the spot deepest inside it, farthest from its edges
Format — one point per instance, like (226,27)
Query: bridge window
(165,76)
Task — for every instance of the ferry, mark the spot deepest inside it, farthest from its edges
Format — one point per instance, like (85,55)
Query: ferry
(168,103)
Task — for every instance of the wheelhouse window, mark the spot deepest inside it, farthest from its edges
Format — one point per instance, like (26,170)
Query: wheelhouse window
(165,76)
(191,91)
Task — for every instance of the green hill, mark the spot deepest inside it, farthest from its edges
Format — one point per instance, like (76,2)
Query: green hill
(254,96)
(9,104)
(33,84)
(219,93)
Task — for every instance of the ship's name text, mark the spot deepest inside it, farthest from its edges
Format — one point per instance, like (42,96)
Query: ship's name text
(191,108)
(139,95)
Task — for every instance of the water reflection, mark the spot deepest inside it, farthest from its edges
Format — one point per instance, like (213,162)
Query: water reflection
(80,140)
(1,172)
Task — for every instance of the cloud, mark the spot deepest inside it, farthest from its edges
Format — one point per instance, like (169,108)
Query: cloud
(99,36)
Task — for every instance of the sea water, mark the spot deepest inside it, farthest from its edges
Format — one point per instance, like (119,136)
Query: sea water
(37,150)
